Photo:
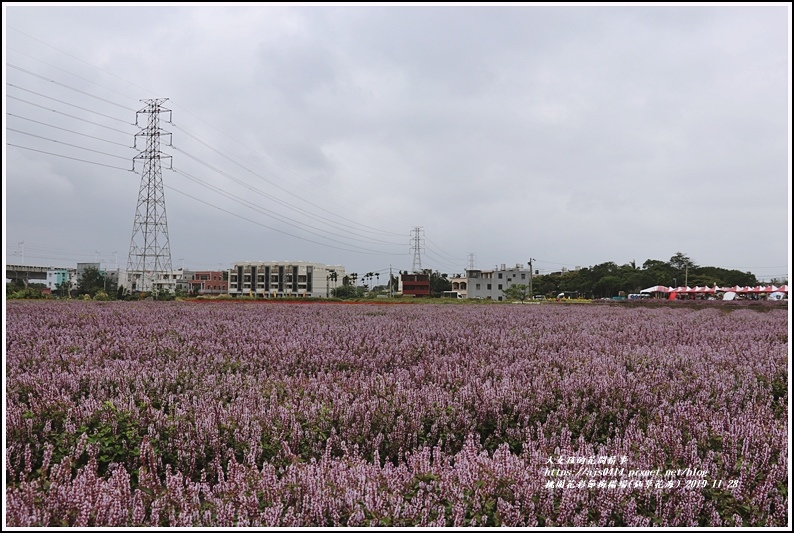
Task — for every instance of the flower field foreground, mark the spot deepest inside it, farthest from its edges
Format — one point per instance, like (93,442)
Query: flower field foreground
(179,414)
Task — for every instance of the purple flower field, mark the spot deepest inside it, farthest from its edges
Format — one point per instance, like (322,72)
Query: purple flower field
(234,414)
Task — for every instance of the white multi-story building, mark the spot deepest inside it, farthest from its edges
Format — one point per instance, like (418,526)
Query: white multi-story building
(284,279)
(489,284)
(61,278)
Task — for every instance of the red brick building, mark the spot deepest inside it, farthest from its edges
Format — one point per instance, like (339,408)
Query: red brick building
(208,282)
(415,284)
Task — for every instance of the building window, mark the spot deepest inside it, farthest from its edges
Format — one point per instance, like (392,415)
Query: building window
(523,276)
(500,288)
(500,275)
(478,286)
(489,286)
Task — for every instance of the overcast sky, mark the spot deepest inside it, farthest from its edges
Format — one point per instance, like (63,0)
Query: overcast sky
(570,135)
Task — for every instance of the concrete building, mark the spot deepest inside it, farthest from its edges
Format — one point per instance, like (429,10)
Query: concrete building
(489,284)
(460,284)
(116,277)
(414,284)
(81,267)
(284,279)
(58,277)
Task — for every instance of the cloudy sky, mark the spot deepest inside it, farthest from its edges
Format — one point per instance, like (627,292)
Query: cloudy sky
(571,135)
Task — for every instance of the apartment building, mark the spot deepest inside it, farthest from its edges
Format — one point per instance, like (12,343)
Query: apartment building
(414,284)
(284,279)
(489,284)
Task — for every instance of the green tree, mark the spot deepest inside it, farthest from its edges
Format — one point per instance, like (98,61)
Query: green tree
(438,283)
(607,286)
(516,292)
(15,285)
(91,282)
(64,288)
(681,262)
(346,292)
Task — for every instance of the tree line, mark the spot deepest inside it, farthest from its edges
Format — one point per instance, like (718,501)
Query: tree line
(609,279)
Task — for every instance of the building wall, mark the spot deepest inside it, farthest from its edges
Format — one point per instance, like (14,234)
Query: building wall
(56,277)
(489,284)
(460,285)
(208,282)
(283,279)
(81,267)
(414,284)
(117,276)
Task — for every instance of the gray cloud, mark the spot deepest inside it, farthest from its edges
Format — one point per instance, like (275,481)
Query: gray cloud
(575,135)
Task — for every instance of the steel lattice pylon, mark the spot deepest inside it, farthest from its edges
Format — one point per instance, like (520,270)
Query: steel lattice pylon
(149,262)
(417,248)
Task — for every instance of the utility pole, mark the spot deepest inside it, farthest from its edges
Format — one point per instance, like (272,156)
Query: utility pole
(150,251)
(530,278)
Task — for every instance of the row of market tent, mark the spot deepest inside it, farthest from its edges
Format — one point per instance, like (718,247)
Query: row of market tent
(769,292)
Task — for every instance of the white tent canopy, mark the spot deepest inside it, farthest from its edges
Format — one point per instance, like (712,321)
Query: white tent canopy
(657,288)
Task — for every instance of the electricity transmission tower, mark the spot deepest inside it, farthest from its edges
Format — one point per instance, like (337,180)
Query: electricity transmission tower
(417,248)
(149,263)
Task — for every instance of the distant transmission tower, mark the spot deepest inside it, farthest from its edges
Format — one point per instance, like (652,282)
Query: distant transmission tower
(417,248)
(471,261)
(150,252)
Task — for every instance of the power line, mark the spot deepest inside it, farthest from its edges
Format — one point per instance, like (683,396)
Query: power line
(78,59)
(211,205)
(274,199)
(67,144)
(276,229)
(71,73)
(67,86)
(70,131)
(66,114)
(67,157)
(264,211)
(67,103)
(269,159)
(357,225)
(443,262)
(443,253)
